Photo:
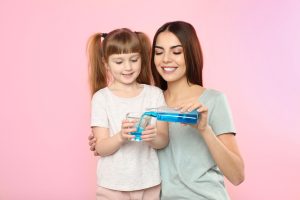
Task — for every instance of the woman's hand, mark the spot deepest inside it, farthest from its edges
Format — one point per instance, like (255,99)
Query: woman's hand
(201,109)
(92,144)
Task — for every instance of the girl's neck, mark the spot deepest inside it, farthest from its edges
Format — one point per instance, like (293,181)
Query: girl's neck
(126,91)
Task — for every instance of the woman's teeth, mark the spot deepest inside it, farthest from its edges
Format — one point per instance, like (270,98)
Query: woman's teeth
(169,69)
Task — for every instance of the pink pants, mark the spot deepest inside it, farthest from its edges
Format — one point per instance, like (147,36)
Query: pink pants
(145,194)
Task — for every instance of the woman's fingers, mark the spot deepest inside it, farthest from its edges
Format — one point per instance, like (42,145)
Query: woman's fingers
(202,108)
(91,136)
(189,107)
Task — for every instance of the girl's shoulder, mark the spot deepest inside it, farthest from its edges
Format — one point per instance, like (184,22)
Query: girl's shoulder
(152,88)
(100,93)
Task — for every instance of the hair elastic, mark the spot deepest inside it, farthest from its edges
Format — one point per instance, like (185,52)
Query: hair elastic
(103,35)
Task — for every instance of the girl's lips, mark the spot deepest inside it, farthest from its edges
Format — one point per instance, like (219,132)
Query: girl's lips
(129,74)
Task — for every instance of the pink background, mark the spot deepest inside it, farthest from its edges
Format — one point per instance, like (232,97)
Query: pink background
(251,52)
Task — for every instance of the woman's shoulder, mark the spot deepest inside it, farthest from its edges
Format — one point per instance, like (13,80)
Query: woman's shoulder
(212,95)
(213,92)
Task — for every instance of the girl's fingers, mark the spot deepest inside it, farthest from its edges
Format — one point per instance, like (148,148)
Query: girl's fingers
(129,130)
(149,132)
(150,127)
(148,137)
(127,125)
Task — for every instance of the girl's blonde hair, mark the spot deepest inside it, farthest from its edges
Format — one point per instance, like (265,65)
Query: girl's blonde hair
(119,41)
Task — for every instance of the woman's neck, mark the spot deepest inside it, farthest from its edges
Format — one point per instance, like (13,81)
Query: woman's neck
(179,92)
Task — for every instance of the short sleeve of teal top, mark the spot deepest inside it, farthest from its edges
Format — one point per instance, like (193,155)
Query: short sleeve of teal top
(187,168)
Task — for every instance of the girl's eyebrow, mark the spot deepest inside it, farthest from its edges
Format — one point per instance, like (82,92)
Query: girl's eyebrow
(172,47)
(137,55)
(117,58)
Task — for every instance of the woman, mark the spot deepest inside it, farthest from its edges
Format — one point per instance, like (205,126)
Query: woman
(194,162)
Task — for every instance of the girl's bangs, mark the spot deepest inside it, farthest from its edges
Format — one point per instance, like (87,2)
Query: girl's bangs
(121,45)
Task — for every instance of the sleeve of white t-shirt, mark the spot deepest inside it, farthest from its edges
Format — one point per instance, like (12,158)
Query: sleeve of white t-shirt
(220,117)
(98,112)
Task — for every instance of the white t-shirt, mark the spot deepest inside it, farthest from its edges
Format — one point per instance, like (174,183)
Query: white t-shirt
(135,165)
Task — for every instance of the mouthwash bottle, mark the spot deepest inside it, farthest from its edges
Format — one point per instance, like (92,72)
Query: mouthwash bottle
(172,115)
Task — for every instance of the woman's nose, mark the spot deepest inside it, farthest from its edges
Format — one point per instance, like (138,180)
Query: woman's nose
(166,58)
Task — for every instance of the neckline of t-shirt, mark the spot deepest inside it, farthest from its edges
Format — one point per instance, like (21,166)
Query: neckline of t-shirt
(127,98)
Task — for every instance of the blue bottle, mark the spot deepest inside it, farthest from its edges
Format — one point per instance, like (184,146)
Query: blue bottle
(173,115)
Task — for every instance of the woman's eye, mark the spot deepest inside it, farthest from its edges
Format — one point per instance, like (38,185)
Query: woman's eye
(158,53)
(134,60)
(177,52)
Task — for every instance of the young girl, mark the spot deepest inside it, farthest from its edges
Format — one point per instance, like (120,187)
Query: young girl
(126,169)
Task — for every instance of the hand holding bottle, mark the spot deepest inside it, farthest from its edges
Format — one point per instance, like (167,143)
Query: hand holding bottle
(201,109)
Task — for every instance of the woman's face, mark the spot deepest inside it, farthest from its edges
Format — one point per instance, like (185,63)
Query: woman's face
(169,57)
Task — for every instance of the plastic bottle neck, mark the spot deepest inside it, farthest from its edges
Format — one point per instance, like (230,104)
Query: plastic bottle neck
(151,113)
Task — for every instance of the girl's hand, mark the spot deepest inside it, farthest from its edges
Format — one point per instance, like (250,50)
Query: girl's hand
(126,128)
(149,134)
(203,110)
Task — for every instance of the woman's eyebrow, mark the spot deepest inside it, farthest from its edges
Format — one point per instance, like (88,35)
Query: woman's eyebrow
(158,47)
(172,47)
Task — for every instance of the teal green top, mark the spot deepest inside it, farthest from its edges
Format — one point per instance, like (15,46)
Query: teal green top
(187,168)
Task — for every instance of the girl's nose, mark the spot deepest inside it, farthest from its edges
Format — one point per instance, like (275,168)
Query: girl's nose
(128,66)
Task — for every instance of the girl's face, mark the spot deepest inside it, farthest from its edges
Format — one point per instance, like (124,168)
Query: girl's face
(124,68)
(169,57)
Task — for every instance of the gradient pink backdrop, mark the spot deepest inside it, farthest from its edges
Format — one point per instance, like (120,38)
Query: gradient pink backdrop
(251,51)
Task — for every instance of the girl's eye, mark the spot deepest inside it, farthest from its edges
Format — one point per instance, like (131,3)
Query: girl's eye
(158,53)
(135,59)
(118,62)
